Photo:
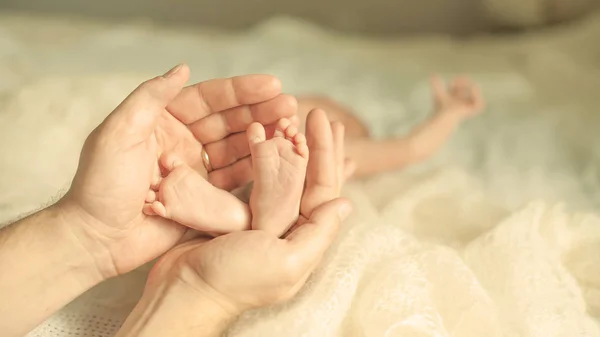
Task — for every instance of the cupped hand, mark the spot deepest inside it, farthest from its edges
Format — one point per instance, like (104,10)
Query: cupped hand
(119,160)
(462,97)
(249,269)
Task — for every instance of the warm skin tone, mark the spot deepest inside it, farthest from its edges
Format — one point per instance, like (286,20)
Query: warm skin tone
(278,174)
(279,170)
(199,287)
(454,103)
(98,230)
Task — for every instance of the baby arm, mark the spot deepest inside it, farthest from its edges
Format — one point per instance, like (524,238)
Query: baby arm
(461,100)
(452,105)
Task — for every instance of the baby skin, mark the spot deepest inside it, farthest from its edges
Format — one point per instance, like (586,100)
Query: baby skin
(279,166)
(184,196)
(453,103)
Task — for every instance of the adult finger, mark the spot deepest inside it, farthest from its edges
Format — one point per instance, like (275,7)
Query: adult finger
(349,168)
(308,243)
(217,126)
(135,118)
(321,172)
(200,100)
(227,151)
(337,129)
(233,176)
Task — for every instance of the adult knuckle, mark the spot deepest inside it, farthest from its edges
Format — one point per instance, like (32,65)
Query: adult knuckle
(146,85)
(148,89)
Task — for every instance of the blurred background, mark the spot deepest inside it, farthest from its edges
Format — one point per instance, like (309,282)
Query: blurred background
(66,63)
(380,17)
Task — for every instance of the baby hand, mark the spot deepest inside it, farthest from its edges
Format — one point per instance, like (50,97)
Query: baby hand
(461,98)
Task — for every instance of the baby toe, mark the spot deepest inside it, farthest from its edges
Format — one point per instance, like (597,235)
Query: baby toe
(256,133)
(281,126)
(301,145)
(150,196)
(148,210)
(169,162)
(159,209)
(290,132)
(299,139)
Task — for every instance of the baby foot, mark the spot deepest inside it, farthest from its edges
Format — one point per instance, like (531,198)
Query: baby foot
(184,196)
(279,166)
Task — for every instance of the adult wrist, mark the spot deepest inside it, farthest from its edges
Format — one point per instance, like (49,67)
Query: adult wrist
(40,252)
(189,280)
(172,307)
(85,240)
(88,259)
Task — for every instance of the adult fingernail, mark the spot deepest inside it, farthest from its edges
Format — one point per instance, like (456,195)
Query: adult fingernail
(344,210)
(173,71)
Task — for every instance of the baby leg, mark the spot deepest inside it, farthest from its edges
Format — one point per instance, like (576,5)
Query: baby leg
(279,166)
(184,196)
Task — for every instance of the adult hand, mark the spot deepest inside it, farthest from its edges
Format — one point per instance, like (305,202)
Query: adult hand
(249,269)
(119,161)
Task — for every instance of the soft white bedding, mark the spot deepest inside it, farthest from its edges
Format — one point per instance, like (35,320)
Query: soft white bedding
(469,244)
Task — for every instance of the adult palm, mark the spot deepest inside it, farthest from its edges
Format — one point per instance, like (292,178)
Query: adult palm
(119,161)
(253,268)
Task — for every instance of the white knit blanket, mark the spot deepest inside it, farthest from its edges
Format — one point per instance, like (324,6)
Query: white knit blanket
(473,243)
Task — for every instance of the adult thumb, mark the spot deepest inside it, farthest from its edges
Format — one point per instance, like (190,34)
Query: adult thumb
(137,115)
(311,239)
